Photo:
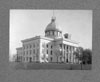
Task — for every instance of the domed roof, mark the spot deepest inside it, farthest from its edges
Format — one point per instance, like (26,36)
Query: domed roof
(52,25)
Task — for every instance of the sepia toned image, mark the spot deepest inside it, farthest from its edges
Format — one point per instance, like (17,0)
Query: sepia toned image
(50,39)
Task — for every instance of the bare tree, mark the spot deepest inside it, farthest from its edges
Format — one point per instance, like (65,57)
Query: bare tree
(79,54)
(57,51)
(45,55)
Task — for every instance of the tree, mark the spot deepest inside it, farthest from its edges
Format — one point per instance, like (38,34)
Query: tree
(79,54)
(84,55)
(45,56)
(57,51)
(87,56)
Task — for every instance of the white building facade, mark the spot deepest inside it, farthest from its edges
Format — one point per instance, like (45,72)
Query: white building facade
(51,48)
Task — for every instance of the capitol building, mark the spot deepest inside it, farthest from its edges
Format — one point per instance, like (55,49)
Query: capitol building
(53,47)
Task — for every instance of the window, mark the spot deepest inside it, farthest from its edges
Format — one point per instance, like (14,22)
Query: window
(50,32)
(37,44)
(51,46)
(67,47)
(47,51)
(27,58)
(23,46)
(47,45)
(30,51)
(64,46)
(47,33)
(24,52)
(37,50)
(53,32)
(61,45)
(51,52)
(24,59)
(30,46)
(27,52)
(27,46)
(33,45)
(51,58)
(67,60)
(34,51)
(56,33)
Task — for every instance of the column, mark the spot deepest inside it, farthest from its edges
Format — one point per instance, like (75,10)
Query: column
(62,50)
(73,54)
(68,54)
(65,52)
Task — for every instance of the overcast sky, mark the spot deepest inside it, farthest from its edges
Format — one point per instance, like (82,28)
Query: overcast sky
(29,23)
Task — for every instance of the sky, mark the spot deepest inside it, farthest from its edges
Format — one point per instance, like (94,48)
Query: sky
(29,23)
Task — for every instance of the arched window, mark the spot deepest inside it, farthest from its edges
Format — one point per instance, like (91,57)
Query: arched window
(47,33)
(55,33)
(51,33)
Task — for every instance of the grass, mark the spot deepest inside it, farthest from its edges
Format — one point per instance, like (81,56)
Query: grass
(38,66)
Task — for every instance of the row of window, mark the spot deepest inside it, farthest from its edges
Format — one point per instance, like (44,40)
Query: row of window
(31,52)
(55,33)
(30,59)
(30,46)
(48,46)
(19,58)
(67,46)
(50,52)
(71,48)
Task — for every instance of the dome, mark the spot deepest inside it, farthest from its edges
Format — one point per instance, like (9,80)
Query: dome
(52,26)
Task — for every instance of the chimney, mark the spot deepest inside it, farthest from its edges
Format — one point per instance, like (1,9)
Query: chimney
(67,36)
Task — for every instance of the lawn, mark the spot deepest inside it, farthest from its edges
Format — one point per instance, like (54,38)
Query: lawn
(48,66)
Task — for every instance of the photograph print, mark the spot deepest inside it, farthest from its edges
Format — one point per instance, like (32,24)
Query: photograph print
(50,39)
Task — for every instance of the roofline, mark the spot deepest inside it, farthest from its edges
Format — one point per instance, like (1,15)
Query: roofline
(36,37)
(19,48)
(68,40)
(29,39)
(52,30)
(71,41)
